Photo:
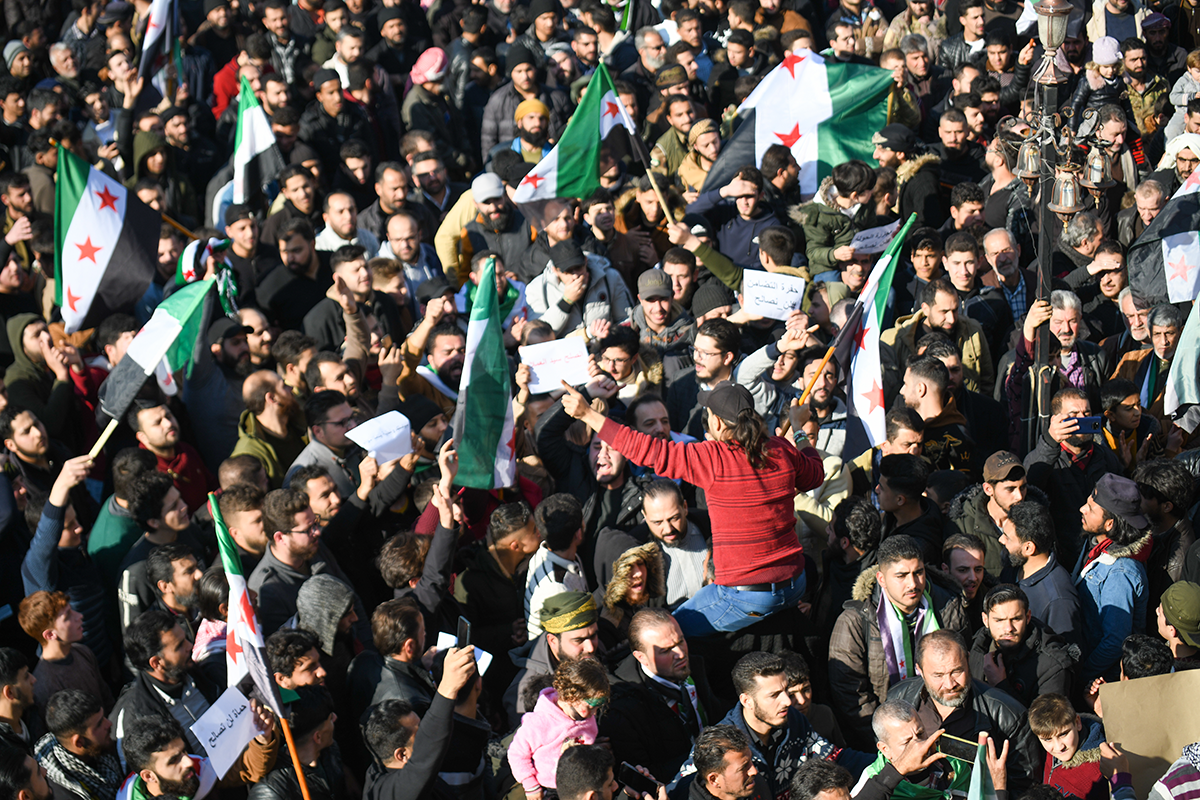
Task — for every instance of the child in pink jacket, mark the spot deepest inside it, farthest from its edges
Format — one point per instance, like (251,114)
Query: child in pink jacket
(565,715)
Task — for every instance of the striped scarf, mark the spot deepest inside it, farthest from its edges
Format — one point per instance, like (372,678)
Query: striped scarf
(898,641)
(91,780)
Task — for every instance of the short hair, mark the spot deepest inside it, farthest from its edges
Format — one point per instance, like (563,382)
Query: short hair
(393,623)
(940,641)
(727,336)
(440,330)
(238,469)
(639,36)
(902,418)
(644,620)
(143,637)
(938,345)
(966,100)
(1165,316)
(795,668)
(402,558)
(150,490)
(623,338)
(160,563)
(1081,228)
(712,744)
(896,548)
(127,466)
(953,116)
(932,371)
(287,349)
(930,291)
(660,487)
(347,253)
(313,706)
(962,242)
(852,177)
(1149,188)
(774,159)
(239,498)
(145,736)
(384,730)
(856,519)
(817,775)
(1130,44)
(285,648)
(582,769)
(889,710)
(38,612)
(12,661)
(112,328)
(558,518)
(319,404)
(1064,300)
(1166,481)
(905,473)
(1032,522)
(212,592)
(1144,656)
(965,192)
(280,508)
(15,774)
(1069,393)
(752,666)
(1050,714)
(961,541)
(1116,390)
(507,520)
(779,243)
(679,255)
(292,171)
(68,712)
(1005,593)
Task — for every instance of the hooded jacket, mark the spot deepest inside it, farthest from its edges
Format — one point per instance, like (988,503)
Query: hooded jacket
(606,297)
(918,189)
(979,374)
(33,387)
(858,672)
(251,442)
(617,612)
(534,751)
(1112,599)
(1042,663)
(947,443)
(968,511)
(180,195)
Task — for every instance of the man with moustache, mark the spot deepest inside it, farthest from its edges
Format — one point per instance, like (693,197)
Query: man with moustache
(1029,539)
(962,562)
(571,632)
(156,430)
(982,509)
(79,754)
(498,226)
(271,428)
(213,392)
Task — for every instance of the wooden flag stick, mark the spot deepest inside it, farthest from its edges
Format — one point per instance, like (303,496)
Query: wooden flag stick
(179,227)
(820,368)
(103,440)
(291,743)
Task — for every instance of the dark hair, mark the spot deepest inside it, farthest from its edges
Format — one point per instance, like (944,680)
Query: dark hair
(896,548)
(440,330)
(145,736)
(1005,593)
(347,253)
(311,472)
(287,349)
(727,336)
(779,243)
(127,466)
(817,775)
(929,292)
(143,637)
(940,640)
(644,620)
(962,101)
(856,519)
(393,623)
(285,647)
(507,520)
(384,730)
(149,491)
(1144,656)
(319,404)
(663,487)
(795,668)
(11,663)
(852,177)
(1069,393)
(111,329)
(212,591)
(240,497)
(279,509)
(932,371)
(752,666)
(160,563)
(775,158)
(68,712)
(621,337)
(749,432)
(582,769)
(313,706)
(239,469)
(1032,522)
(905,473)
(9,416)
(711,746)
(402,557)
(902,418)
(965,192)
(680,255)
(938,345)
(1166,481)
(558,518)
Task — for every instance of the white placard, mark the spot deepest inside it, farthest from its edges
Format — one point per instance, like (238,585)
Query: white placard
(483,659)
(225,729)
(874,240)
(771,294)
(554,362)
(385,438)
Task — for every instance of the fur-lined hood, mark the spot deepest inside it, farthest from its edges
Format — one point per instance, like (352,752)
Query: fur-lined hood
(910,168)
(656,584)
(1139,547)
(864,584)
(1090,739)
(627,201)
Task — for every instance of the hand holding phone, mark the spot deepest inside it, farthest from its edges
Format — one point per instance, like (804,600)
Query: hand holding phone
(463,637)
(637,783)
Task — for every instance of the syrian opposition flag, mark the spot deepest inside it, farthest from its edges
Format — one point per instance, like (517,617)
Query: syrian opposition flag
(484,427)
(1164,262)
(164,345)
(859,344)
(243,635)
(1183,381)
(193,264)
(98,223)
(256,157)
(981,787)
(572,167)
(158,38)
(823,111)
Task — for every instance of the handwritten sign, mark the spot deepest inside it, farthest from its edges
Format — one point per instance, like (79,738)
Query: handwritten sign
(771,294)
(874,240)
(552,362)
(385,438)
(483,659)
(225,729)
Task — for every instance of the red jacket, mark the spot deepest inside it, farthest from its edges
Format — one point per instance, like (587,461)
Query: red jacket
(752,511)
(226,85)
(191,477)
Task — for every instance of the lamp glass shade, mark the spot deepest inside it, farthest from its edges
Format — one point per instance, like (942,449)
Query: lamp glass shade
(1064,198)
(1053,16)
(1097,170)
(1029,159)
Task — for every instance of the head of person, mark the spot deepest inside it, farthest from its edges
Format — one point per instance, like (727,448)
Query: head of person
(895,723)
(297,245)
(1084,233)
(940,305)
(329,418)
(1110,268)
(390,730)
(1120,402)
(1150,198)
(294,658)
(855,527)
(926,384)
(155,643)
(962,560)
(1136,312)
(24,434)
(446,351)
(313,717)
(722,758)
(1006,615)
(1165,323)
(174,572)
(665,510)
(291,525)
(1144,656)
(894,144)
(154,426)
(581,687)
(900,571)
(492,201)
(656,296)
(156,751)
(1178,614)
(156,504)
(78,722)
(585,772)
(658,645)
(16,680)
(817,779)
(570,622)
(941,658)
(961,259)
(762,686)
(1166,488)
(680,266)
(1057,726)
(731,419)
(1114,511)
(1066,318)
(48,617)
(902,481)
(716,348)
(904,432)
(511,528)
(401,560)
(1004,480)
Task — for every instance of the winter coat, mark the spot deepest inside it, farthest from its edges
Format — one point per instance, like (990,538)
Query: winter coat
(1112,596)
(33,387)
(373,678)
(968,512)
(918,190)
(415,781)
(1080,778)
(327,134)
(954,52)
(1094,91)
(325,781)
(250,442)
(606,297)
(616,612)
(1049,468)
(1098,24)
(534,751)
(181,199)
(512,243)
(827,227)
(492,600)
(736,237)
(423,111)
(929,530)
(858,675)
(499,124)
(1043,663)
(978,373)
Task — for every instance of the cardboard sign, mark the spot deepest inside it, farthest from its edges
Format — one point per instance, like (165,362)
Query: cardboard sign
(225,729)
(771,294)
(483,659)
(1151,720)
(385,438)
(874,240)
(553,362)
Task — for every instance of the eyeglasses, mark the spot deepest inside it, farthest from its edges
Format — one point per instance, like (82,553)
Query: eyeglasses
(313,530)
(698,353)
(614,361)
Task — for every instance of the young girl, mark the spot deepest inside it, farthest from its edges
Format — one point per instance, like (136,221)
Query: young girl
(1101,83)
(565,715)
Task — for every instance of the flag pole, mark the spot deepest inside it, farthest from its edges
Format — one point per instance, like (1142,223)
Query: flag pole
(179,227)
(786,424)
(291,743)
(104,437)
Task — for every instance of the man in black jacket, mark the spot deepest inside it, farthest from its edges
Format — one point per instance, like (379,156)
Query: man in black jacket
(918,177)
(312,730)
(329,121)
(409,755)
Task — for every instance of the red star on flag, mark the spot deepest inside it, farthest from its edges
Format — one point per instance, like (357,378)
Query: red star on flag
(72,299)
(107,199)
(533,179)
(232,644)
(790,139)
(874,395)
(1192,183)
(1180,269)
(611,109)
(790,62)
(88,250)
(861,339)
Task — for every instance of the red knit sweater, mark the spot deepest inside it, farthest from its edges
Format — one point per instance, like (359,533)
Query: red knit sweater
(752,511)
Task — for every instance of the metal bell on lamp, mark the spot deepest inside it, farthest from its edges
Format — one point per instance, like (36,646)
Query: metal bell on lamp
(1097,172)
(1064,197)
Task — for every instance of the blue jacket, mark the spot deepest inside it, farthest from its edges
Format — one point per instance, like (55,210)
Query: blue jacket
(1112,597)
(737,238)
(1053,600)
(795,742)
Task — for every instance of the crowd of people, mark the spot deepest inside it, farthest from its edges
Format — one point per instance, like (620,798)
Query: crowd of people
(700,583)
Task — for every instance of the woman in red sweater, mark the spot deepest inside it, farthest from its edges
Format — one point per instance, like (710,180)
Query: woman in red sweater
(750,480)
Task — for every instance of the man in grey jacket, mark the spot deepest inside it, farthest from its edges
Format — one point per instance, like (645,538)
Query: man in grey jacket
(577,290)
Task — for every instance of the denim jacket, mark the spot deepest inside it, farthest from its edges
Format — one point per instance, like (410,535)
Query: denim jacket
(1112,598)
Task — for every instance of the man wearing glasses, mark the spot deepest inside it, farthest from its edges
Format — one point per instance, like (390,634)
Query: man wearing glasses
(330,418)
(715,353)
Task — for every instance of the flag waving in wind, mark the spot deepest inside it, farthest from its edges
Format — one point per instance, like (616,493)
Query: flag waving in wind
(158,38)
(484,427)
(256,157)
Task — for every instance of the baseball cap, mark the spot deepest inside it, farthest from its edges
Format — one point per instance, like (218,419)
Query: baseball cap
(1181,609)
(567,255)
(727,400)
(431,288)
(670,75)
(1120,496)
(654,284)
(1001,466)
(895,137)
(487,186)
(224,327)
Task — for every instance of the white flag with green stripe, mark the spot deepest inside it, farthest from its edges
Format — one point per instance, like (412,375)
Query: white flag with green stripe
(572,168)
(256,158)
(484,426)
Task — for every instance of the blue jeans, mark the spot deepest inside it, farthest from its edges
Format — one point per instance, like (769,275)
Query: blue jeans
(718,608)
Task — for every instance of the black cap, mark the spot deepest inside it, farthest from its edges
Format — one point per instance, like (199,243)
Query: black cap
(324,76)
(727,400)
(171,113)
(567,255)
(419,409)
(434,287)
(389,13)
(1120,497)
(213,5)
(709,296)
(539,7)
(237,212)
(896,137)
(518,54)
(223,327)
